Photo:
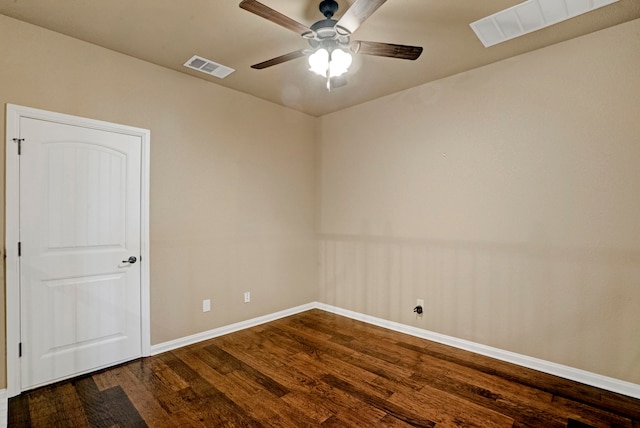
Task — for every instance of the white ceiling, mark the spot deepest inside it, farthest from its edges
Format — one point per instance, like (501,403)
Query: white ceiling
(169,32)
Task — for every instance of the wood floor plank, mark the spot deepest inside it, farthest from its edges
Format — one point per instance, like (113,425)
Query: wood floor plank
(310,338)
(389,407)
(184,406)
(547,383)
(391,422)
(337,374)
(621,404)
(335,400)
(145,402)
(166,395)
(107,408)
(233,384)
(310,405)
(238,365)
(51,408)
(510,398)
(245,390)
(18,412)
(67,395)
(320,369)
(153,373)
(348,409)
(449,411)
(280,345)
(354,382)
(492,392)
(221,406)
(121,410)
(281,413)
(321,330)
(590,415)
(169,377)
(323,364)
(287,376)
(105,379)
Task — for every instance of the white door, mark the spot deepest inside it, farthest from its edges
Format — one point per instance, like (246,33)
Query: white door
(80,245)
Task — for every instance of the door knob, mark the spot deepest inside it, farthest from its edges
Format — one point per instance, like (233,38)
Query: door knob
(131,260)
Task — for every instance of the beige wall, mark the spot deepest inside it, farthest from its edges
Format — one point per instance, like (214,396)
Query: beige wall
(233,178)
(507,197)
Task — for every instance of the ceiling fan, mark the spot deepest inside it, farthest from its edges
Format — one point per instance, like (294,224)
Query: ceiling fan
(330,40)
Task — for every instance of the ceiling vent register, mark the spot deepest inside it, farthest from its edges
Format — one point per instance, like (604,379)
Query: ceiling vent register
(532,15)
(207,66)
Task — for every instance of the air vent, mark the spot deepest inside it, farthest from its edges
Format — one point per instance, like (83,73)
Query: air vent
(207,66)
(532,15)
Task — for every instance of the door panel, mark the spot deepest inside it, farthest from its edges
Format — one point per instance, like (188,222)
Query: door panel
(86,206)
(79,220)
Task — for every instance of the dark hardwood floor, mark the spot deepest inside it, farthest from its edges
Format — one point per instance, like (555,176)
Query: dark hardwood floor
(320,369)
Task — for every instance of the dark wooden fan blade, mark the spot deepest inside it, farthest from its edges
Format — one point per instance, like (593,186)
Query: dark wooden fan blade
(274,16)
(279,60)
(386,49)
(357,14)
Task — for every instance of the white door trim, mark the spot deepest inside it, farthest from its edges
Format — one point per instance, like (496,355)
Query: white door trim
(12,221)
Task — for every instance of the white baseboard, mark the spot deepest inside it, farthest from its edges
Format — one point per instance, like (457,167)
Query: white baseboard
(221,331)
(4,407)
(582,376)
(566,372)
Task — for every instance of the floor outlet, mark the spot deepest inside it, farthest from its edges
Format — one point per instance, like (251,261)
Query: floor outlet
(206,305)
(247,296)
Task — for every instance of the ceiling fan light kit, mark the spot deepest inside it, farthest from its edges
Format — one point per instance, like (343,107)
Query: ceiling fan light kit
(331,64)
(330,40)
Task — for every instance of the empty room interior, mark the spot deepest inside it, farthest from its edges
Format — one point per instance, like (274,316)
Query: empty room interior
(451,202)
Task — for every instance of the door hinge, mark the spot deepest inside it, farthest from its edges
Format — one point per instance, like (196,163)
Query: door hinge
(19,141)
(19,349)
(19,249)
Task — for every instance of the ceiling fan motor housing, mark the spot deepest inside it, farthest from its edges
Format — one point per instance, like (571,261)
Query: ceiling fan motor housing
(328,8)
(324,33)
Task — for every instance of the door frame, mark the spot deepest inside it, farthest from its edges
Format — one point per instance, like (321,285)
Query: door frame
(12,222)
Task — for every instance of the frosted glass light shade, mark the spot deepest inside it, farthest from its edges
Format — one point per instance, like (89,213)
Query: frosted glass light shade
(337,63)
(319,62)
(340,63)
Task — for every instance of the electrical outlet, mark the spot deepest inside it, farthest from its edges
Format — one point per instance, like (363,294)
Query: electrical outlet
(206,305)
(247,296)
(420,302)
